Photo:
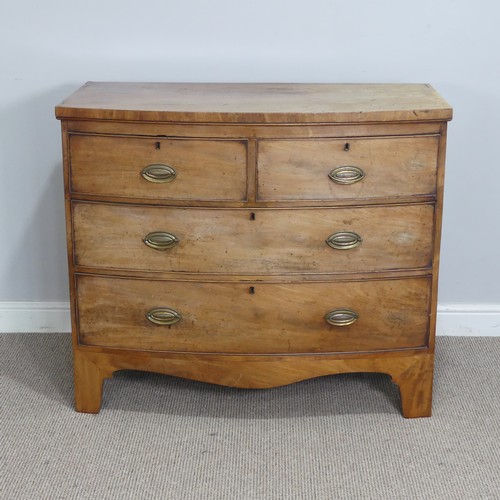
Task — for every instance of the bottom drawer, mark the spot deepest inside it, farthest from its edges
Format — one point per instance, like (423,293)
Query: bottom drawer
(264,318)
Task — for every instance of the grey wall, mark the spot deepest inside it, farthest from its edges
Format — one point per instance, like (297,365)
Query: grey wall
(48,49)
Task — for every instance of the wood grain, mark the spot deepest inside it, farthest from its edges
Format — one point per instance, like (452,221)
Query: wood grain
(254,289)
(438,221)
(412,372)
(253,131)
(276,241)
(254,319)
(255,278)
(206,170)
(298,169)
(89,378)
(255,103)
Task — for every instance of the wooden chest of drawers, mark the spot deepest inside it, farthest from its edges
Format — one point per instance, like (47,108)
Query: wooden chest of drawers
(254,235)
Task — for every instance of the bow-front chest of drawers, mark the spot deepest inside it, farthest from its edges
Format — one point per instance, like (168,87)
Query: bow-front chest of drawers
(254,235)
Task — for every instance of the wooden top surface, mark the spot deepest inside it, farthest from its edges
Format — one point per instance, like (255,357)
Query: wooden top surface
(255,103)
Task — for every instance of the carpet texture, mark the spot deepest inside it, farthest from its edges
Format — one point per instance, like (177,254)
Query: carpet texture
(337,437)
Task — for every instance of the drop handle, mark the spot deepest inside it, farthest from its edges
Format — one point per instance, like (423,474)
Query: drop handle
(163,316)
(159,173)
(344,240)
(160,240)
(346,174)
(341,317)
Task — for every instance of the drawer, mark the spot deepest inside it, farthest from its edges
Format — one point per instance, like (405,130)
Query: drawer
(189,169)
(275,318)
(259,241)
(384,167)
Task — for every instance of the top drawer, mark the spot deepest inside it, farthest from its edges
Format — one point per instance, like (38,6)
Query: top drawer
(322,169)
(192,169)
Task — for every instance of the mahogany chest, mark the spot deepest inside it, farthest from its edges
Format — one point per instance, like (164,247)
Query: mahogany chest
(254,235)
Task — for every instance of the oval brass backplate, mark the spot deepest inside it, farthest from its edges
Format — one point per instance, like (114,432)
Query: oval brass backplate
(341,317)
(159,173)
(344,240)
(163,316)
(346,174)
(160,240)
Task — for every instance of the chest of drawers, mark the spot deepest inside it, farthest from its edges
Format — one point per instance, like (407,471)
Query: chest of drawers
(254,235)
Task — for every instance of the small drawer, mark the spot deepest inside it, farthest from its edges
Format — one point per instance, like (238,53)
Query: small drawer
(344,169)
(259,241)
(156,168)
(265,319)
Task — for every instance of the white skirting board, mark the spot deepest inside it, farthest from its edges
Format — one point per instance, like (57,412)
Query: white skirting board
(34,317)
(474,320)
(453,319)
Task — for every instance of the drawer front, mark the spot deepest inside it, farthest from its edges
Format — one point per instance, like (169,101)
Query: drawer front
(275,318)
(384,167)
(190,169)
(261,241)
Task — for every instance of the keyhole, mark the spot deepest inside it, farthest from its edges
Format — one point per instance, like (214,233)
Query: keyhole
(347,146)
(158,145)
(251,290)
(252,216)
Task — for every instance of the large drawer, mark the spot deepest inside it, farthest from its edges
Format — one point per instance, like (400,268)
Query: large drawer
(201,169)
(253,241)
(275,318)
(383,167)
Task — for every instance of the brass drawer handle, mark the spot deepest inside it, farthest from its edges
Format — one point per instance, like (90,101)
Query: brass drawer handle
(160,240)
(159,173)
(341,317)
(163,316)
(344,240)
(346,174)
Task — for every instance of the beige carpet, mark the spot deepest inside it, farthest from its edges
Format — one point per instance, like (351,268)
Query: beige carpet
(339,437)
